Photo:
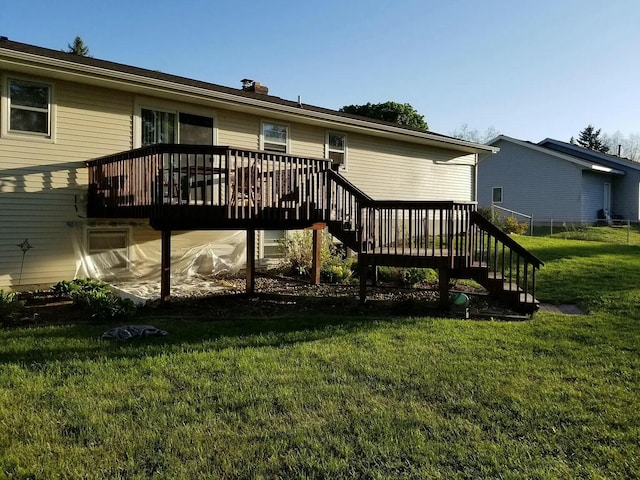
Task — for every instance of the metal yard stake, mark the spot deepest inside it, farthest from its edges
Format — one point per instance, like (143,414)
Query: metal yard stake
(25,247)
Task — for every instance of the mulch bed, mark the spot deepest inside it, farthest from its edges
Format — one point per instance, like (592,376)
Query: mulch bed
(275,297)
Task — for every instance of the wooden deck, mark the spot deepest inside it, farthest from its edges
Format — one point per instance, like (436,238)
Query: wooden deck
(194,187)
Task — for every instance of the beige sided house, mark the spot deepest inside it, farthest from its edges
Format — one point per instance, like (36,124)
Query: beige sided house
(119,171)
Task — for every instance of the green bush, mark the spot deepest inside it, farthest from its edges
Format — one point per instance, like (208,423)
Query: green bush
(511,225)
(413,276)
(507,224)
(10,307)
(337,268)
(407,276)
(96,297)
(298,257)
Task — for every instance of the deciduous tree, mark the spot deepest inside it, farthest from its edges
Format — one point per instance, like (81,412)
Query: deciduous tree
(472,135)
(400,113)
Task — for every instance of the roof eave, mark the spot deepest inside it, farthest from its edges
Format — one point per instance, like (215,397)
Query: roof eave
(110,76)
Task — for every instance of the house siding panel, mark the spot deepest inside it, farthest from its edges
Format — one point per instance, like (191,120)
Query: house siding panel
(533,183)
(593,195)
(42,183)
(387,169)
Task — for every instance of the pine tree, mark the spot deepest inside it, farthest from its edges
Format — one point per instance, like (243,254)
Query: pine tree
(590,138)
(78,48)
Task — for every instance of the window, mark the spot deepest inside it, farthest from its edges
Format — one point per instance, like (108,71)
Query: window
(195,129)
(497,195)
(158,127)
(29,107)
(275,137)
(336,148)
(113,243)
(175,127)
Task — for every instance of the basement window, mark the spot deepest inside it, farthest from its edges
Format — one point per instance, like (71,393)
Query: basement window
(111,244)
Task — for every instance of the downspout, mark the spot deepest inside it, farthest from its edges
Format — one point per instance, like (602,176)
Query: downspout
(475,181)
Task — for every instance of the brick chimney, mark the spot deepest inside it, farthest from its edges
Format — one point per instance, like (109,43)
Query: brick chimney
(249,85)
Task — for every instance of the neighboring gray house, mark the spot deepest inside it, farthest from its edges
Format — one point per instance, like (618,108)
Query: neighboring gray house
(554,181)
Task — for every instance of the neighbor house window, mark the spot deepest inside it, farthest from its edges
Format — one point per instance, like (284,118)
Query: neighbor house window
(113,244)
(275,137)
(336,148)
(497,195)
(29,107)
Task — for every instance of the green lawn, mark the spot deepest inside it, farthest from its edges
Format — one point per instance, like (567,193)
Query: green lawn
(334,397)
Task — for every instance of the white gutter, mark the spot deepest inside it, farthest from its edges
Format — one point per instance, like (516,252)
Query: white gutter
(114,76)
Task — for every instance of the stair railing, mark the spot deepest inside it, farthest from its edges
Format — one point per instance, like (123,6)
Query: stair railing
(505,259)
(344,205)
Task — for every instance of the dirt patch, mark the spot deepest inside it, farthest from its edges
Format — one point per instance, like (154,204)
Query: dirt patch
(564,309)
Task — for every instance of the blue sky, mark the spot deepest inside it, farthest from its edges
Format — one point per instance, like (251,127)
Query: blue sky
(530,68)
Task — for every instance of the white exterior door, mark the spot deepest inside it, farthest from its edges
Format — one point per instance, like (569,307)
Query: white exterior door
(607,198)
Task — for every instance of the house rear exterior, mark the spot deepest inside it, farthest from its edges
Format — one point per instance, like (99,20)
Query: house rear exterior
(59,111)
(556,182)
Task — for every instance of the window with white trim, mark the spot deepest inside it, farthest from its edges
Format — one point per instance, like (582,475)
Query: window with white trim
(112,243)
(336,148)
(275,137)
(496,196)
(29,106)
(164,126)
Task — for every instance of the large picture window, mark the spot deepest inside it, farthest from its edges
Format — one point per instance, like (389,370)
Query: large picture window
(29,107)
(275,137)
(337,149)
(160,126)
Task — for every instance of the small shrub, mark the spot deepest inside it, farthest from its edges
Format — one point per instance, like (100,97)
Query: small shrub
(10,307)
(96,297)
(413,276)
(337,269)
(485,212)
(298,254)
(298,251)
(511,225)
(406,276)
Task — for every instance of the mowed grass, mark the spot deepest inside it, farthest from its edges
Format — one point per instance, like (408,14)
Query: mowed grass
(333,397)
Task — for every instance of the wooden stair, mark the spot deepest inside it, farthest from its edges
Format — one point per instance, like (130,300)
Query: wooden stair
(453,238)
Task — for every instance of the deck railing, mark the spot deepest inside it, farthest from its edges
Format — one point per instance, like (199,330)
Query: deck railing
(416,228)
(507,261)
(390,227)
(248,183)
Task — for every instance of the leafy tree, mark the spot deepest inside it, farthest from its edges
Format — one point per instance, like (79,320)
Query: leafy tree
(465,133)
(400,113)
(78,48)
(590,138)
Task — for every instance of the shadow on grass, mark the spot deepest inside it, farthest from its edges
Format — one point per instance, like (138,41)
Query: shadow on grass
(210,324)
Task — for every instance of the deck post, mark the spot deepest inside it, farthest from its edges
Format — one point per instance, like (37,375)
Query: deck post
(363,278)
(251,262)
(316,262)
(443,279)
(165,269)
